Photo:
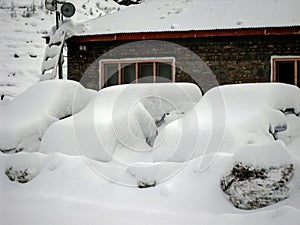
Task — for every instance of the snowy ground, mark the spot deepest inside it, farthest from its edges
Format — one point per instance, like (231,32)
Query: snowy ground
(69,178)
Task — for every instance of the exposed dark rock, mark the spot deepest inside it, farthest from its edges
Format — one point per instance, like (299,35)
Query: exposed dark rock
(288,111)
(252,188)
(18,175)
(142,184)
(33,55)
(64,117)
(128,2)
(11,150)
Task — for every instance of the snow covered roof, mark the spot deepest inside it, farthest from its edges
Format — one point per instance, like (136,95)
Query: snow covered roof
(196,15)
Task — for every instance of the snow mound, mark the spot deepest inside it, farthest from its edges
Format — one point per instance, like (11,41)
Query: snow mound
(25,119)
(123,118)
(272,154)
(250,100)
(230,117)
(131,123)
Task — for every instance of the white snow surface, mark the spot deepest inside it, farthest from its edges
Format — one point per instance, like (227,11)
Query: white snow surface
(230,117)
(273,154)
(185,15)
(227,124)
(25,119)
(122,115)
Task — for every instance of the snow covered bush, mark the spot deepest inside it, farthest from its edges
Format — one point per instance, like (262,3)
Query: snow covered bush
(25,119)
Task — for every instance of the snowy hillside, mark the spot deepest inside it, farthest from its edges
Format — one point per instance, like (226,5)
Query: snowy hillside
(23,24)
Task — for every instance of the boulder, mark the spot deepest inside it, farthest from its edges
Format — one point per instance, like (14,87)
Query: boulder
(250,187)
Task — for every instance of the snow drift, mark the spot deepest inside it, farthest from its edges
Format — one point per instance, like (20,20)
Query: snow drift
(129,116)
(25,119)
(232,116)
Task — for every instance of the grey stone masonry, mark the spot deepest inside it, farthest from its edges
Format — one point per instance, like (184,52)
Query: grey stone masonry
(231,59)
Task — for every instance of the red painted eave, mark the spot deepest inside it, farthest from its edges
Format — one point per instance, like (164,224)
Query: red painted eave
(188,34)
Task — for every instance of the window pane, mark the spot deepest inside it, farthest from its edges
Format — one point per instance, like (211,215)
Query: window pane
(163,72)
(146,72)
(110,74)
(128,74)
(285,72)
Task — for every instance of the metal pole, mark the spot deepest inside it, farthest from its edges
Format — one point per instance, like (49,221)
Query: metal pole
(57,20)
(60,70)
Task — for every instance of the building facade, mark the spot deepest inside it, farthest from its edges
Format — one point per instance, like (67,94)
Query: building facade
(232,56)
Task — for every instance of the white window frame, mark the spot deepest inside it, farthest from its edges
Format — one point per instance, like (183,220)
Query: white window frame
(102,62)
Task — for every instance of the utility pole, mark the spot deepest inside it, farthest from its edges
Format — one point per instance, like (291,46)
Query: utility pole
(67,9)
(60,69)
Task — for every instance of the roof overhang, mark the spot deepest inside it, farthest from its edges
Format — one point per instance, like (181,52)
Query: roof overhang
(295,30)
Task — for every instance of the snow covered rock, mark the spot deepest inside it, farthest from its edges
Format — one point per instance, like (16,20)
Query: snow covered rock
(25,119)
(260,176)
(18,175)
(250,187)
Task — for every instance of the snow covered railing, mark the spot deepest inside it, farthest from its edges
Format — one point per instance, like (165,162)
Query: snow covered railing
(52,55)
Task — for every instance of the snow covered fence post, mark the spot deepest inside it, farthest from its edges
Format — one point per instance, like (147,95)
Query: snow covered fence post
(128,123)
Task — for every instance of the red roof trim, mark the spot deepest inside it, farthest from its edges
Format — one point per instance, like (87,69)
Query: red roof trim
(188,34)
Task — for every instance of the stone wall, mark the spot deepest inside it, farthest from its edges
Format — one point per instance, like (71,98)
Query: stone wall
(231,59)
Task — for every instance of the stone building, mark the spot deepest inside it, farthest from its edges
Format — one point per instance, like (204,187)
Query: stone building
(207,42)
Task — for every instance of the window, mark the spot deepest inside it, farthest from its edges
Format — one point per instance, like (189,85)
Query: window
(286,70)
(158,70)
